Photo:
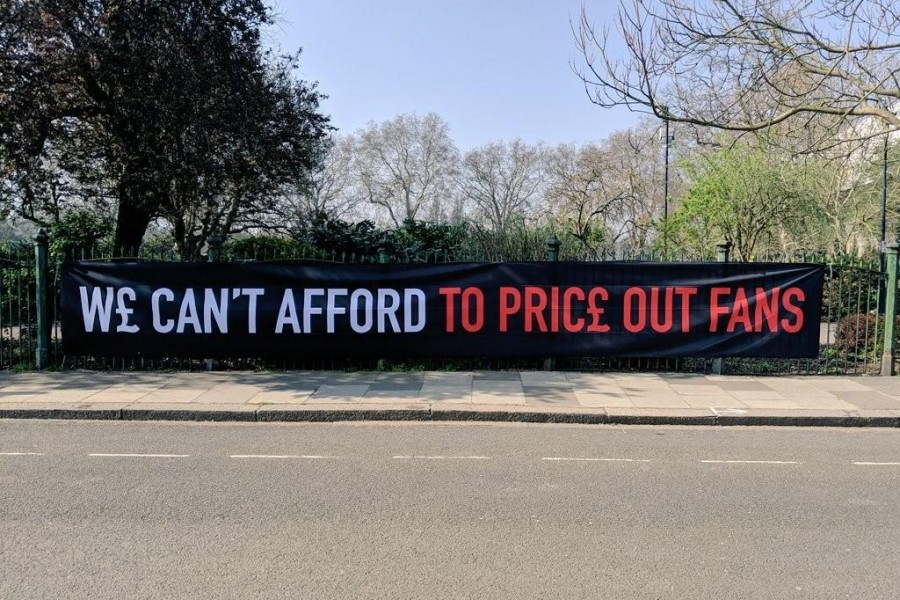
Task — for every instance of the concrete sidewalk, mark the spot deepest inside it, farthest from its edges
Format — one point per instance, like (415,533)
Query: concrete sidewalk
(534,396)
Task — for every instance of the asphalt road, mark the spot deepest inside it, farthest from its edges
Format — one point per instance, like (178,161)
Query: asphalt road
(132,510)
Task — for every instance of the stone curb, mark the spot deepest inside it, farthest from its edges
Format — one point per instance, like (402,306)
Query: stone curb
(483,414)
(91,414)
(180,414)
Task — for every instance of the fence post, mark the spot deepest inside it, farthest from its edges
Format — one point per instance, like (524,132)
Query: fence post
(213,254)
(890,310)
(383,258)
(553,245)
(42,351)
(723,253)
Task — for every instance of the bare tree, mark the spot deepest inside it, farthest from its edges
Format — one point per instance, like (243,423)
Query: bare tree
(746,65)
(406,165)
(503,180)
(610,194)
(329,190)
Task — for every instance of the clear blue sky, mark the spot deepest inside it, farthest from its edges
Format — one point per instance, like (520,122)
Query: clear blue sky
(494,69)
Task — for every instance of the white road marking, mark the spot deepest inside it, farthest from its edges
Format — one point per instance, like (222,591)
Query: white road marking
(878,464)
(576,459)
(140,455)
(21,454)
(312,456)
(752,462)
(406,457)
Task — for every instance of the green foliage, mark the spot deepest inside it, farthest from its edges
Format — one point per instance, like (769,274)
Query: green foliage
(176,110)
(332,236)
(363,240)
(79,233)
(515,242)
(745,196)
(265,247)
(424,241)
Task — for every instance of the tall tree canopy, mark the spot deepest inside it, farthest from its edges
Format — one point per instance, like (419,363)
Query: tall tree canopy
(406,166)
(746,65)
(169,110)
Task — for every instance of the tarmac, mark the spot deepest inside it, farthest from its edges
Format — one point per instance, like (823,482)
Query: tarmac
(524,396)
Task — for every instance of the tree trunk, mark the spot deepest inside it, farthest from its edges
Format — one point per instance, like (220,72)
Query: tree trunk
(131,225)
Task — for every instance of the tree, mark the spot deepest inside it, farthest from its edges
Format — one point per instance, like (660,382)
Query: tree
(610,194)
(741,195)
(406,166)
(852,193)
(585,203)
(160,110)
(747,65)
(329,186)
(503,181)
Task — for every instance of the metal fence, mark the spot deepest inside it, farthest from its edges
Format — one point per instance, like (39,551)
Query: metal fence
(851,338)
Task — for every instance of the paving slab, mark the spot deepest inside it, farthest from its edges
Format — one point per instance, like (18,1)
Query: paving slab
(772,403)
(868,400)
(362,378)
(30,387)
(838,384)
(802,391)
(497,376)
(338,392)
(808,403)
(596,384)
(660,401)
(757,395)
(604,400)
(71,395)
(286,382)
(497,397)
(544,379)
(587,379)
(448,377)
(114,395)
(497,387)
(446,396)
(640,385)
(392,396)
(710,401)
(749,385)
(396,385)
(693,389)
(278,396)
(172,395)
(533,396)
(538,395)
(197,382)
(228,393)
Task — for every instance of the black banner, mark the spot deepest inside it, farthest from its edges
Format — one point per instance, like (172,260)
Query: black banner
(286,310)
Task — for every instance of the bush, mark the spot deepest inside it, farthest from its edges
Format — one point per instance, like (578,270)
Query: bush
(334,237)
(414,241)
(424,241)
(265,247)
(861,333)
(80,233)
